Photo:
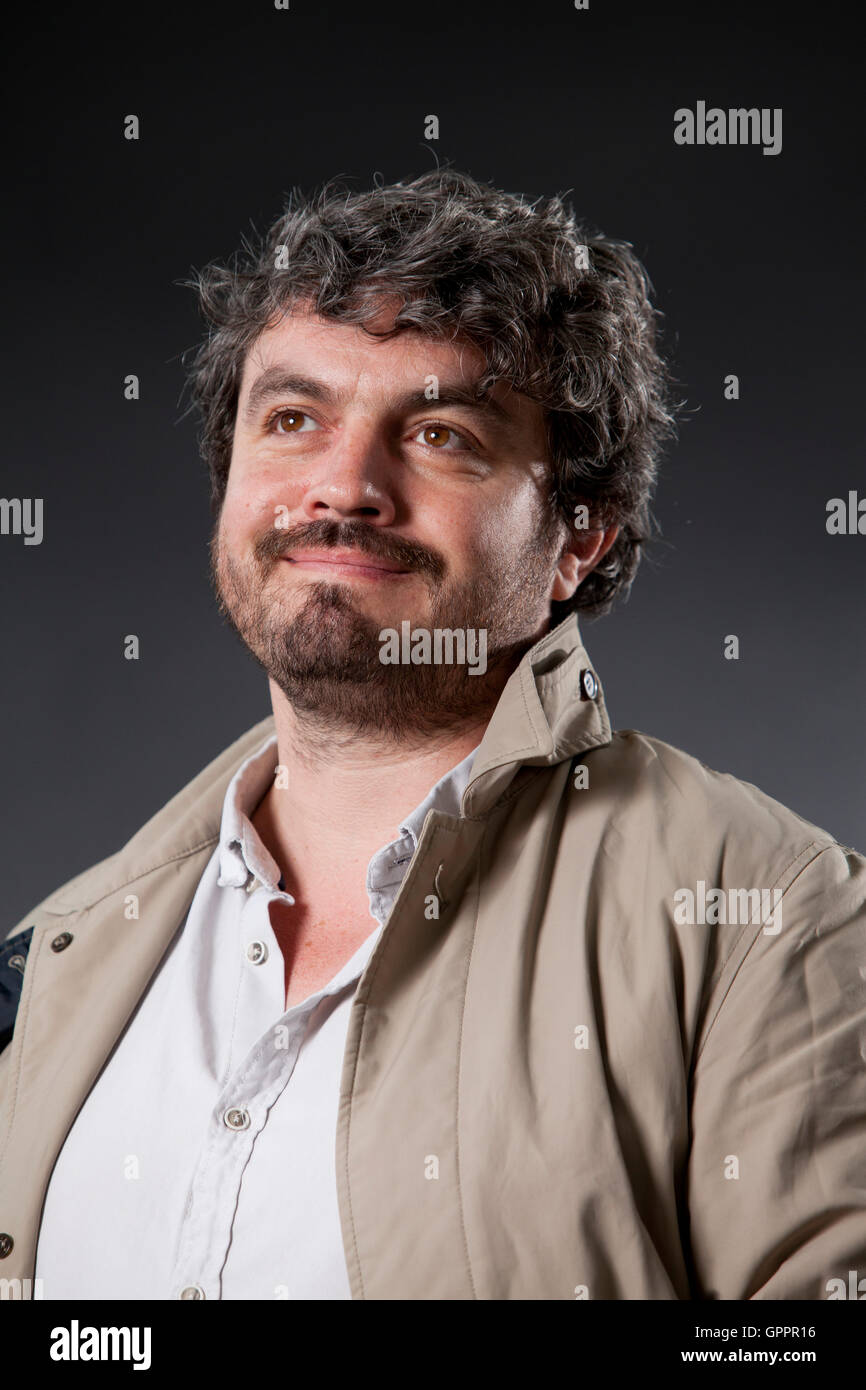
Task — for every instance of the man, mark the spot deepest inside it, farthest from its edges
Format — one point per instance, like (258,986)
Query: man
(431,986)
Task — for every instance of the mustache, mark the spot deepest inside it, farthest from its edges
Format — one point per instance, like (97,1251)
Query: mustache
(350,535)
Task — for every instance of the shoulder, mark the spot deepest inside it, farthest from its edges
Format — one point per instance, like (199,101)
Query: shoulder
(668,799)
(682,785)
(187,822)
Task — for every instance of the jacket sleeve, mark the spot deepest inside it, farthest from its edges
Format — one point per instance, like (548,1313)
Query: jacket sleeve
(776,1187)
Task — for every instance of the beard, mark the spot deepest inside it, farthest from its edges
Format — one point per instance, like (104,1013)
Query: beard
(323,651)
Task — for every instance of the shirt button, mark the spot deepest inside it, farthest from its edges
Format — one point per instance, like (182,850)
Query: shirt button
(236,1119)
(192,1291)
(257,952)
(6,1244)
(62,941)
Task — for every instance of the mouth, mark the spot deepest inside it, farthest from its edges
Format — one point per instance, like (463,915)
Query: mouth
(345,564)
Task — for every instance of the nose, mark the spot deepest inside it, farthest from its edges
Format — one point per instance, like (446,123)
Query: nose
(353,483)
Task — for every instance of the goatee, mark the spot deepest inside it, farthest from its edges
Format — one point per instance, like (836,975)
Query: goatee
(323,652)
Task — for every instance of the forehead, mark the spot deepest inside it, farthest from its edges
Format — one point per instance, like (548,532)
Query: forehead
(348,358)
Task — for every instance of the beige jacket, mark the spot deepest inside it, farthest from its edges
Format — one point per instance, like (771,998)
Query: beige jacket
(556,1088)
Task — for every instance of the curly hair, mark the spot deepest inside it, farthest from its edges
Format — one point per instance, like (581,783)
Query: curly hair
(559,314)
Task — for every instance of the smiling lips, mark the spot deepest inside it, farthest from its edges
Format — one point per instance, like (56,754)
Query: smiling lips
(347,563)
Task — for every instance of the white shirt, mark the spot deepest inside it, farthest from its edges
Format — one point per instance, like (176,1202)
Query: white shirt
(202,1163)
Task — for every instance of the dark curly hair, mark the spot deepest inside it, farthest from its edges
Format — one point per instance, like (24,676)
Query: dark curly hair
(559,315)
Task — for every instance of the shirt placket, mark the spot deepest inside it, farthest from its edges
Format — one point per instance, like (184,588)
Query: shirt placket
(260,1065)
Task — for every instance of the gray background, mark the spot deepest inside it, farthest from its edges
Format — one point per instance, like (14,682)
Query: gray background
(756,262)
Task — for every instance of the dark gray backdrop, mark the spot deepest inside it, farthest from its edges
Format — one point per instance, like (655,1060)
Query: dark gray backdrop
(756,262)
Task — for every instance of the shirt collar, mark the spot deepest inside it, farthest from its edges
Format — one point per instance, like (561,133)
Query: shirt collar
(242,853)
(445,796)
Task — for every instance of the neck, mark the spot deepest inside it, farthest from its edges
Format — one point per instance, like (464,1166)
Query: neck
(346,797)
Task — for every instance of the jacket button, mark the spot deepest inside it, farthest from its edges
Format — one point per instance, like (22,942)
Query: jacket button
(6,1243)
(62,941)
(588,685)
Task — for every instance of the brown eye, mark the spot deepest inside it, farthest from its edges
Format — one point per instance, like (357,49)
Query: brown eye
(436,435)
(295,418)
(444,440)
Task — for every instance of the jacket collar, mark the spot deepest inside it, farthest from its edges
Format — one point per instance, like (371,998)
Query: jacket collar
(544,715)
(552,708)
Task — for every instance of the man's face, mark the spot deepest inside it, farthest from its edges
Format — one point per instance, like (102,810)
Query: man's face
(356,502)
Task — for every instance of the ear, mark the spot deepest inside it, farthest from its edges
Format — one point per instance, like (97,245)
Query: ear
(581,553)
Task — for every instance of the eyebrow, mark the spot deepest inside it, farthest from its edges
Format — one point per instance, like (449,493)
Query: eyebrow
(275,382)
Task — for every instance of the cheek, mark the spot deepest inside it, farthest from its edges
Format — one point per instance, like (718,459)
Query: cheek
(509,522)
(484,536)
(256,499)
